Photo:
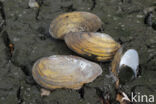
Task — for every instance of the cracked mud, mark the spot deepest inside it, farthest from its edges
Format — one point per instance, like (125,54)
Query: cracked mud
(24,38)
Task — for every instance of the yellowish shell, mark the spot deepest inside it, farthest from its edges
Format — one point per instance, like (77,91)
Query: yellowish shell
(74,22)
(116,61)
(97,46)
(115,66)
(124,66)
(62,71)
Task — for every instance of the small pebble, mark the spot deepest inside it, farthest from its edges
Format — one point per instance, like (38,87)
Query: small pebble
(114,18)
(139,16)
(122,25)
(33,4)
(137,21)
(44,92)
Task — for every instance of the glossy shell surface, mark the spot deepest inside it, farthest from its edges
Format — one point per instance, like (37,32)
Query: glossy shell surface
(116,61)
(96,46)
(62,71)
(74,22)
(130,58)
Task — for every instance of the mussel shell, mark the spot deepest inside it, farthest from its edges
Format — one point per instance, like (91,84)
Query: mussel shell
(116,61)
(124,65)
(64,71)
(96,46)
(74,22)
(131,59)
(125,74)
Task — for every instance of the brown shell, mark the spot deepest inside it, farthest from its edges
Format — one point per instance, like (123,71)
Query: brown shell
(116,61)
(74,22)
(62,71)
(115,66)
(97,46)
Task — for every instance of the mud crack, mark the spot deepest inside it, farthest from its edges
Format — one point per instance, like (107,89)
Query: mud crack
(3,22)
(151,58)
(9,53)
(148,19)
(2,11)
(40,2)
(20,99)
(93,4)
(8,43)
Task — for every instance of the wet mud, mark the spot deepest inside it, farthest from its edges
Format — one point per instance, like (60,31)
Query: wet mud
(24,38)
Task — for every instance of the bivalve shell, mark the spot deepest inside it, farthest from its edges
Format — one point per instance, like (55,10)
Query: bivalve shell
(125,65)
(97,46)
(63,71)
(74,22)
(131,59)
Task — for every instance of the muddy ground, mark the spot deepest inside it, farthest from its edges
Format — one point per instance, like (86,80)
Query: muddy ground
(130,22)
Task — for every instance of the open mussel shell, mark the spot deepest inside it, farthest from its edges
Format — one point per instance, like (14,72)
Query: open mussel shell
(116,61)
(125,66)
(64,71)
(74,22)
(93,45)
(130,59)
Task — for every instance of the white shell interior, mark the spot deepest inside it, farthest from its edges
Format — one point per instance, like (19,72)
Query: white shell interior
(131,59)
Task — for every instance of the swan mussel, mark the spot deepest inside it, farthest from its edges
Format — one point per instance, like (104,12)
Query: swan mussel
(74,22)
(93,45)
(64,71)
(125,66)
